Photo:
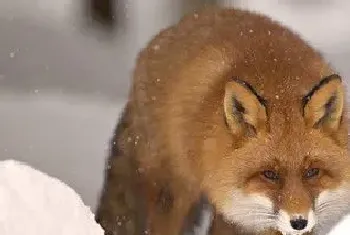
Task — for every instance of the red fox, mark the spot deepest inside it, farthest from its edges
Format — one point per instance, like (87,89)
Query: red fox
(232,105)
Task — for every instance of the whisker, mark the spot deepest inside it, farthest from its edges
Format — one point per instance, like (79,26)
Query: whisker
(260,223)
(330,202)
(250,213)
(332,206)
(335,200)
(254,211)
(256,214)
(255,217)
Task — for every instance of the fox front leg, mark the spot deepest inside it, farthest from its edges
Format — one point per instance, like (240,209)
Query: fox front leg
(199,219)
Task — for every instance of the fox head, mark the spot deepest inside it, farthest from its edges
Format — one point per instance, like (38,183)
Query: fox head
(285,163)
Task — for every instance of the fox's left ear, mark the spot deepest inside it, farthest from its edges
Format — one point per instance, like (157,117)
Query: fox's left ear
(245,110)
(323,105)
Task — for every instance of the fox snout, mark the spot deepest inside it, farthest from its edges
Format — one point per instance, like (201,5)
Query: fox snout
(299,222)
(296,223)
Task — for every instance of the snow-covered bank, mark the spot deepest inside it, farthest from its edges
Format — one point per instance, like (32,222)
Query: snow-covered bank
(343,228)
(33,203)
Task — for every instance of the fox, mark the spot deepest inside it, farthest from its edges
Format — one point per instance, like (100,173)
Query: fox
(233,105)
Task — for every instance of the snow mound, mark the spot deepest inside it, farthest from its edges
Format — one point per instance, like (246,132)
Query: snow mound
(34,203)
(342,228)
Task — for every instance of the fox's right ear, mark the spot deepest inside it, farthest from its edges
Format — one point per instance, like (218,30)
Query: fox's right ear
(245,110)
(323,106)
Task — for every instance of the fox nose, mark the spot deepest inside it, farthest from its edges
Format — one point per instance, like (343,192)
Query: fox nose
(298,224)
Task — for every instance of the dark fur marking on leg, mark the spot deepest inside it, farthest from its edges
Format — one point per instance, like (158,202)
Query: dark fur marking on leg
(121,204)
(165,200)
(122,125)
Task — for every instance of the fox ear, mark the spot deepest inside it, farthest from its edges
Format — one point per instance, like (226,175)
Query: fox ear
(245,110)
(323,105)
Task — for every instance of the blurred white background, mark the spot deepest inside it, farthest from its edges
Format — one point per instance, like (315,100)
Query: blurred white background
(62,87)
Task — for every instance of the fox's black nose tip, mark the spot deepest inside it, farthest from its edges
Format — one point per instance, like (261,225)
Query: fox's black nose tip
(298,224)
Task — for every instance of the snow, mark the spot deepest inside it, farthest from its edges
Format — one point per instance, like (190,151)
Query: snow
(342,228)
(34,203)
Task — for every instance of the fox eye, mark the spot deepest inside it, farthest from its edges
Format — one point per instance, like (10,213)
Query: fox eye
(271,175)
(312,172)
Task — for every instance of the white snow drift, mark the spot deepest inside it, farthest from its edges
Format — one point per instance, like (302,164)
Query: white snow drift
(34,203)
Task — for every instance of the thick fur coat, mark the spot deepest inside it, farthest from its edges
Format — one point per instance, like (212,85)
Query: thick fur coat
(231,105)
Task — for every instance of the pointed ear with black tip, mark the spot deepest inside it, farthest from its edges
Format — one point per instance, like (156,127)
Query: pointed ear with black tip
(245,110)
(323,105)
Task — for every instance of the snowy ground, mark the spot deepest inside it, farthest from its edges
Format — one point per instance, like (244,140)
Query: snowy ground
(61,89)
(33,203)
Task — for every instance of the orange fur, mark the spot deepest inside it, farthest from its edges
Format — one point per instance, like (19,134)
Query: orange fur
(186,85)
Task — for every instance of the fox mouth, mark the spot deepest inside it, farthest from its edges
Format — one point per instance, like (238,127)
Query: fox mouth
(256,213)
(293,233)
(288,232)
(296,224)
